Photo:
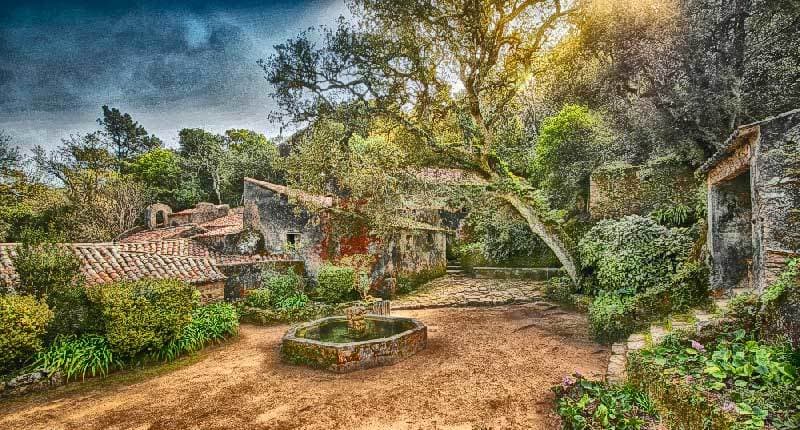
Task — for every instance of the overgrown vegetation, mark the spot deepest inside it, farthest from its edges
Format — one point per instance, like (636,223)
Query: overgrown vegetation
(23,322)
(584,404)
(210,323)
(78,356)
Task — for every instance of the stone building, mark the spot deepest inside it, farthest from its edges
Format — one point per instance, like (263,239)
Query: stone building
(316,230)
(754,203)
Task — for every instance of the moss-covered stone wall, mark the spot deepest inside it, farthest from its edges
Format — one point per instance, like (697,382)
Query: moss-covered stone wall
(620,189)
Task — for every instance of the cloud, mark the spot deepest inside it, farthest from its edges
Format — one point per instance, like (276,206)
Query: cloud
(161,59)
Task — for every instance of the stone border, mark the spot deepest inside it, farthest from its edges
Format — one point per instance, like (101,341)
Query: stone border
(352,356)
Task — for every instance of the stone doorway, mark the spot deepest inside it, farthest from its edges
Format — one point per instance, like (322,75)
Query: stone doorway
(731,239)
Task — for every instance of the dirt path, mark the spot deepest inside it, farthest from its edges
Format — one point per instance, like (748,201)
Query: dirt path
(483,368)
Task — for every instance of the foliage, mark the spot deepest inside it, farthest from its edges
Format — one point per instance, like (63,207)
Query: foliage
(563,291)
(43,266)
(124,136)
(77,356)
(584,404)
(162,172)
(632,254)
(753,381)
(281,286)
(23,322)
(570,145)
(674,216)
(142,316)
(292,303)
(335,284)
(612,317)
(410,282)
(210,323)
(205,154)
(258,298)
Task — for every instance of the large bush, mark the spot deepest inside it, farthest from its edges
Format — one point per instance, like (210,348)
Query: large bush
(335,284)
(633,254)
(43,266)
(142,316)
(23,322)
(281,286)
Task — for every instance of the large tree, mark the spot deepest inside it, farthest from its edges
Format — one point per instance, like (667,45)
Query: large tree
(206,154)
(446,73)
(125,137)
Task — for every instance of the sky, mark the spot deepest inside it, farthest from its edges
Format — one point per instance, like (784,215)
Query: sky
(170,64)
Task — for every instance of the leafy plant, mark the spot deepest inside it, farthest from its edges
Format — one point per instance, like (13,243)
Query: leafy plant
(74,356)
(335,284)
(674,216)
(584,404)
(612,317)
(142,316)
(281,285)
(293,303)
(23,322)
(213,322)
(259,298)
(43,266)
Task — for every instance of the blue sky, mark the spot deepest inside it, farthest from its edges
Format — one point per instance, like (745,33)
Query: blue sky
(170,64)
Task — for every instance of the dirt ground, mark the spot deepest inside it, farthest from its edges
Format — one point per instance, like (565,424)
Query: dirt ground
(483,368)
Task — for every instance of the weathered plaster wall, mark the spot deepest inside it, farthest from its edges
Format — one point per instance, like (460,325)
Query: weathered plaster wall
(618,190)
(212,291)
(248,276)
(776,196)
(277,217)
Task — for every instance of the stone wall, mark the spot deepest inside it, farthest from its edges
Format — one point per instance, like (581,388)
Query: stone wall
(248,276)
(619,189)
(212,292)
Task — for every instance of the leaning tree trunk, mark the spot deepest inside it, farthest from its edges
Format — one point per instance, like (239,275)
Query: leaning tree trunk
(550,236)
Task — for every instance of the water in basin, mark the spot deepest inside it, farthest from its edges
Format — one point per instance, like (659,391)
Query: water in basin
(336,331)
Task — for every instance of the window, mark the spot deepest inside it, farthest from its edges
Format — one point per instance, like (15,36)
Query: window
(161,219)
(293,239)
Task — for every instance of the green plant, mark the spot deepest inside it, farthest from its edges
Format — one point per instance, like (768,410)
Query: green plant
(142,316)
(74,313)
(260,298)
(335,284)
(739,374)
(293,303)
(213,322)
(612,317)
(674,216)
(584,404)
(75,356)
(409,282)
(23,322)
(281,285)
(44,266)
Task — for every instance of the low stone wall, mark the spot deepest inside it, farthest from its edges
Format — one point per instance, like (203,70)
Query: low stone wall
(533,274)
(349,357)
(38,380)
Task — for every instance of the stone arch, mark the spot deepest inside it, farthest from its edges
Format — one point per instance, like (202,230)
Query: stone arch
(157,215)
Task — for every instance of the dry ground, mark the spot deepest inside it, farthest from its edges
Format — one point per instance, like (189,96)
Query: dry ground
(483,368)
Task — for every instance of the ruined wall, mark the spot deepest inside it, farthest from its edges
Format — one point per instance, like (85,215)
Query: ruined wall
(621,189)
(211,292)
(420,250)
(277,217)
(776,196)
(248,276)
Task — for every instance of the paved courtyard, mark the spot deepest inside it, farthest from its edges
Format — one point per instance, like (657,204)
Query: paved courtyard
(457,291)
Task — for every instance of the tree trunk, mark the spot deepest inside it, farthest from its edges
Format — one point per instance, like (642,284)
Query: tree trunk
(549,236)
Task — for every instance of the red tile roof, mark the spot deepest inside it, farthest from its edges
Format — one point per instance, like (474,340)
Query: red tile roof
(102,263)
(159,234)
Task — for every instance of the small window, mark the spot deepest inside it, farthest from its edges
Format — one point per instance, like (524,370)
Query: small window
(293,238)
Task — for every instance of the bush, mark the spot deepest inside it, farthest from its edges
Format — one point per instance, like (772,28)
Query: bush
(43,266)
(584,404)
(23,322)
(210,323)
(335,284)
(78,356)
(281,286)
(142,316)
(612,317)
(259,298)
(408,283)
(632,254)
(74,313)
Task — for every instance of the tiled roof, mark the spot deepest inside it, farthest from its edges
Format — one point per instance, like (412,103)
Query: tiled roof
(221,231)
(102,263)
(302,196)
(174,247)
(159,234)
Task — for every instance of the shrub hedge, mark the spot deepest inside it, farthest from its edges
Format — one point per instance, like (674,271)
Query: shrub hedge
(281,286)
(23,322)
(335,284)
(259,298)
(142,316)
(213,322)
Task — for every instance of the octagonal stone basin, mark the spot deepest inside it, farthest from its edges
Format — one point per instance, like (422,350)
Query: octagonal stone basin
(327,344)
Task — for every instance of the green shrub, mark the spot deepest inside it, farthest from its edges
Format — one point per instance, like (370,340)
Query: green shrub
(584,404)
(471,256)
(410,282)
(632,254)
(142,316)
(74,313)
(43,266)
(612,317)
(281,285)
(292,303)
(23,322)
(78,356)
(210,323)
(259,298)
(335,284)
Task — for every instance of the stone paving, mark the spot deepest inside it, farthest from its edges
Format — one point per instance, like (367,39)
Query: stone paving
(455,291)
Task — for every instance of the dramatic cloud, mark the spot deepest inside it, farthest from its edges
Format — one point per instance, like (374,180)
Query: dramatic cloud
(183,64)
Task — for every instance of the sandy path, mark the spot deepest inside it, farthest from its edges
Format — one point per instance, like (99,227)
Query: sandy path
(483,368)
